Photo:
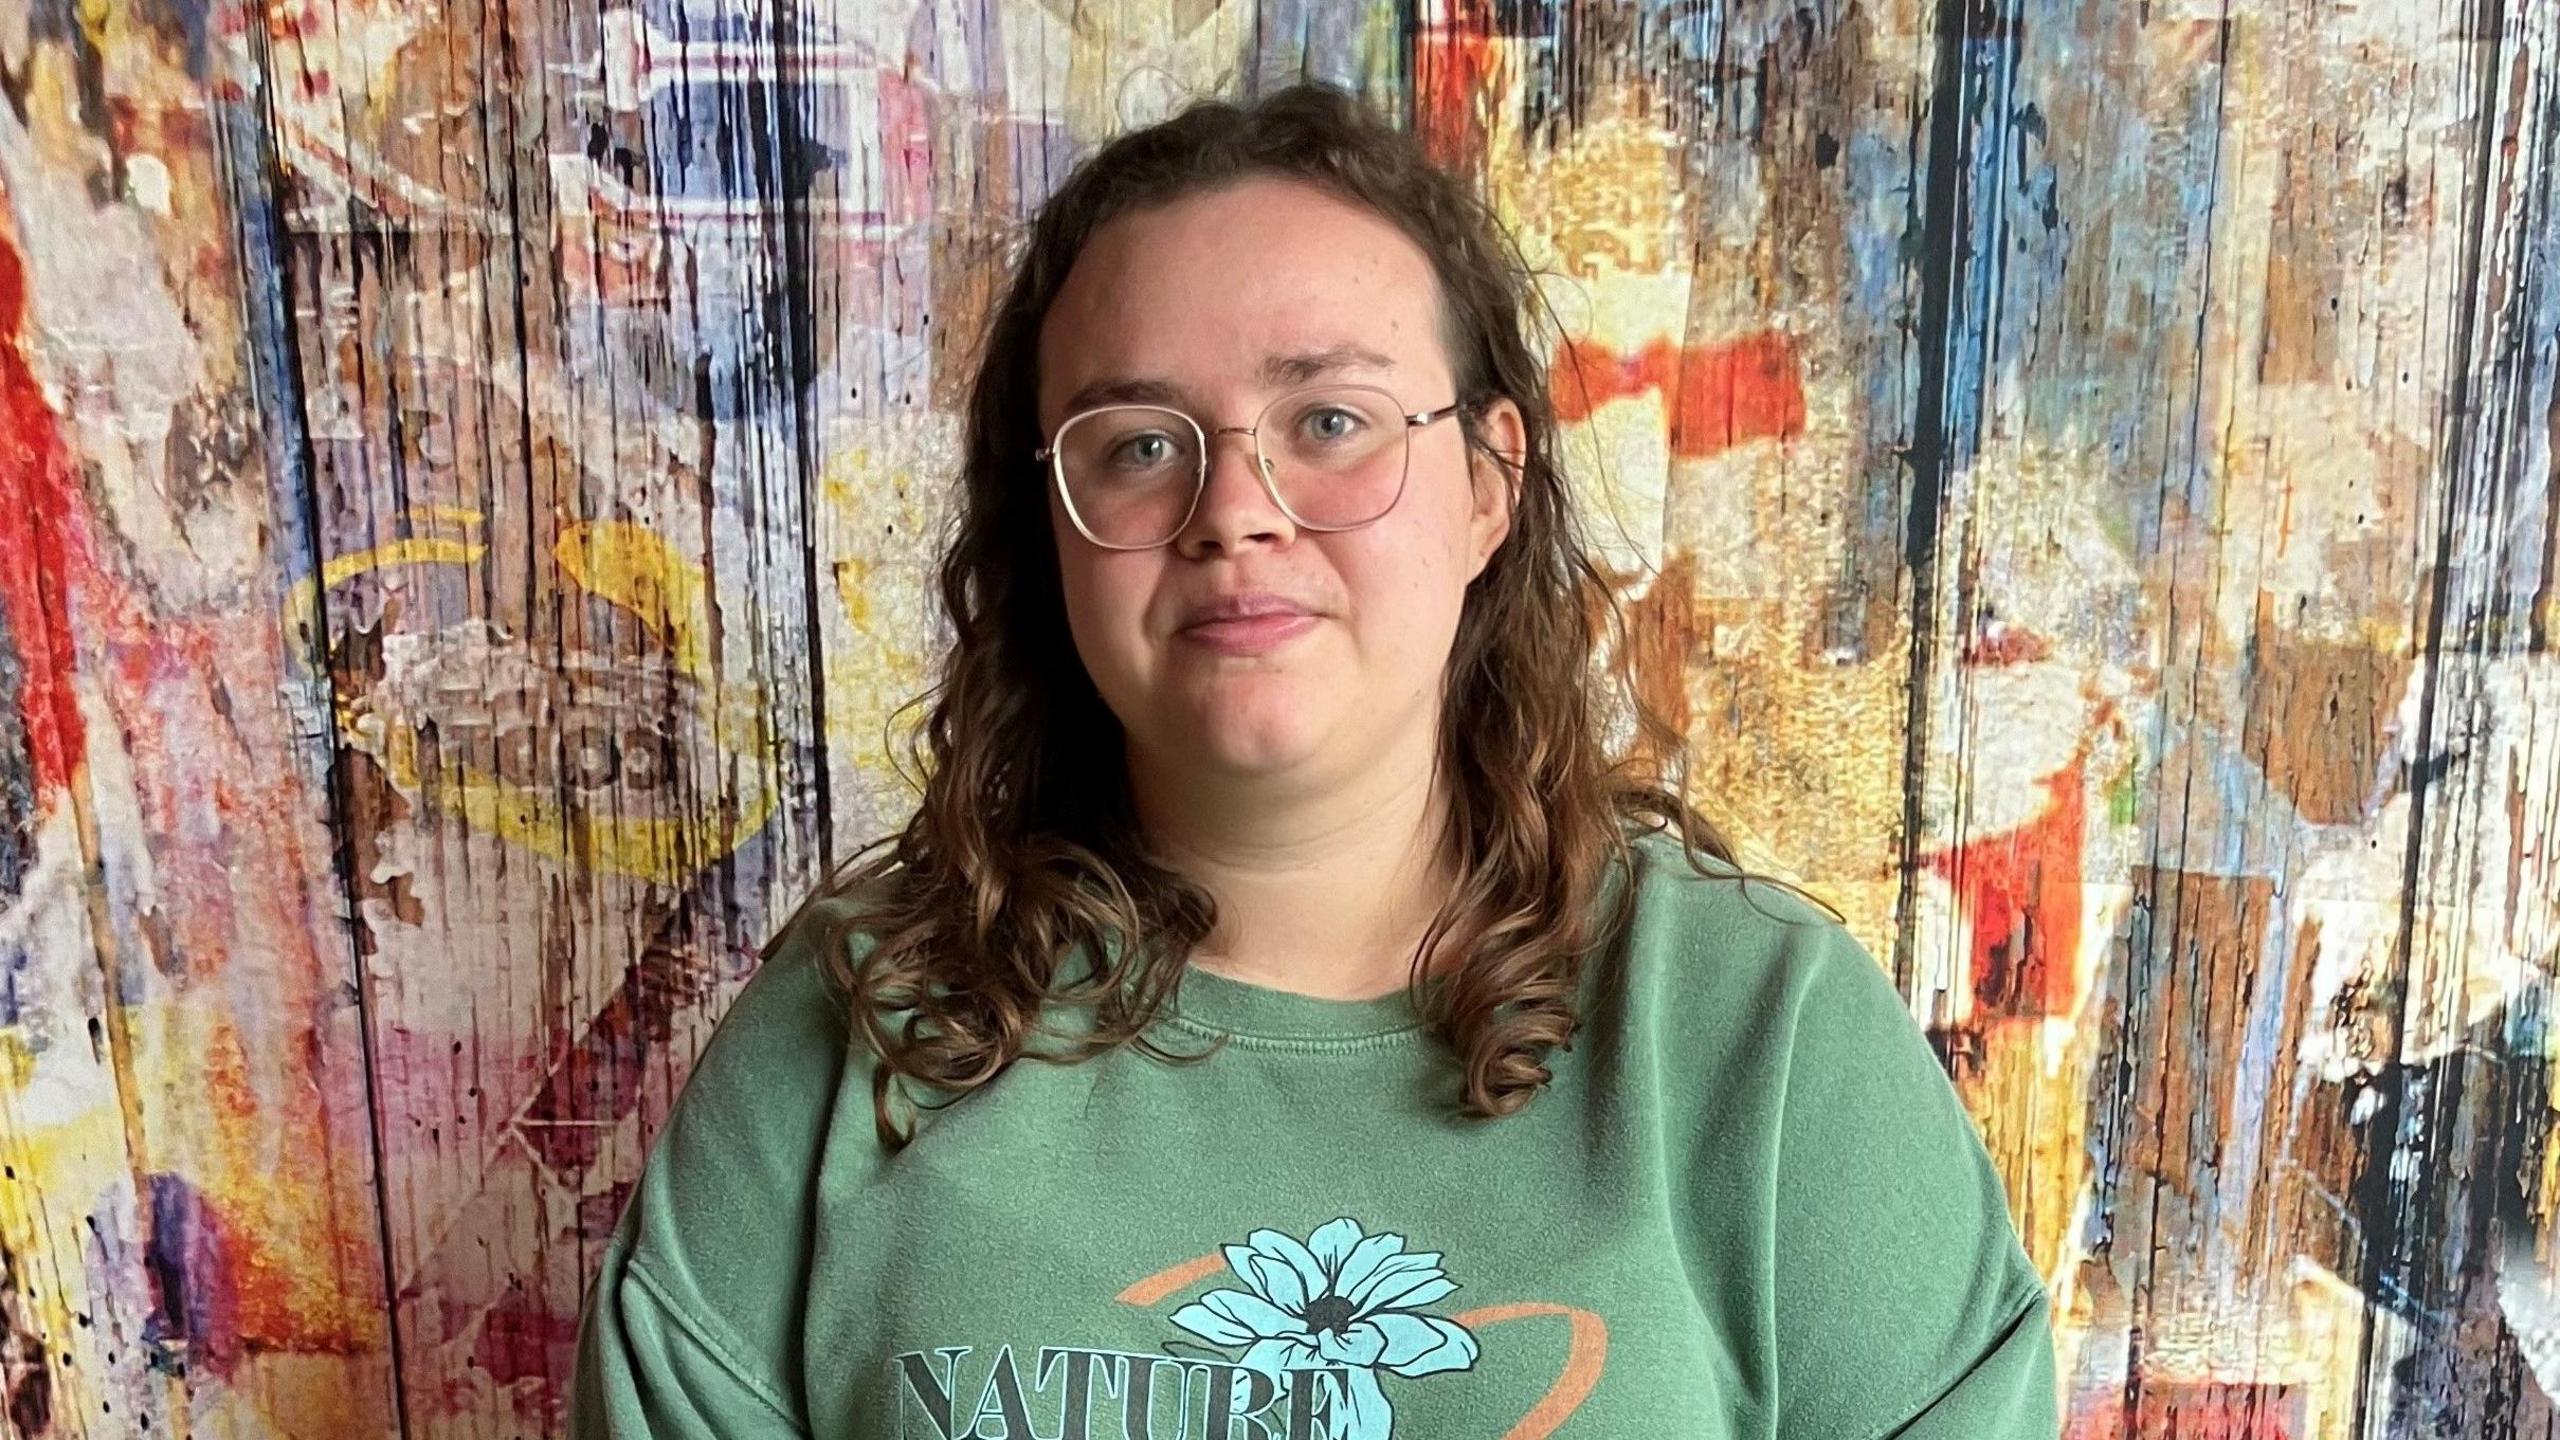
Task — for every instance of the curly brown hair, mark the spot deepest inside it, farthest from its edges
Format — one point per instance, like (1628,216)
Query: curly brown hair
(1024,851)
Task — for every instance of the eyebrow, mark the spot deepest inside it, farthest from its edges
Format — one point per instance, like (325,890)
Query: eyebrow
(1310,364)
(1292,369)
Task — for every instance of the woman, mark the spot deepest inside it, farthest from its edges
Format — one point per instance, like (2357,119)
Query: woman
(1405,1068)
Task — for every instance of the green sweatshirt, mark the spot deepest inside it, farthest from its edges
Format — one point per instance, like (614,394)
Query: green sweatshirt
(1749,1204)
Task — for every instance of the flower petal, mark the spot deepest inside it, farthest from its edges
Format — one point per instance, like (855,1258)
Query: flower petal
(1358,1345)
(1277,1280)
(1363,1413)
(1281,1353)
(1240,1260)
(1394,1278)
(1232,1317)
(1423,1344)
(1285,1248)
(1332,1241)
(1385,1272)
(1429,1292)
(1363,1262)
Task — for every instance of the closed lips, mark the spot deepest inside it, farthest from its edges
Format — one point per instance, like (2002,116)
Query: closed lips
(1249,607)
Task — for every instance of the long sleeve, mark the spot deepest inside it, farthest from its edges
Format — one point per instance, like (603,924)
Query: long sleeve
(1906,1305)
(647,1367)
(693,1326)
(2008,1392)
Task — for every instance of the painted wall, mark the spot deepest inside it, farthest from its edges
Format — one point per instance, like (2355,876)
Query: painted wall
(2083,469)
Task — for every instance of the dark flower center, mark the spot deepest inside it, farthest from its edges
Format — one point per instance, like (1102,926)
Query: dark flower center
(1328,1312)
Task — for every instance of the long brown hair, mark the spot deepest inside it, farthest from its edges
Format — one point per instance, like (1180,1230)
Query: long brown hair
(1024,849)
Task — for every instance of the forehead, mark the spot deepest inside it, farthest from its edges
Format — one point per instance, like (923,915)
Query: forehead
(1213,293)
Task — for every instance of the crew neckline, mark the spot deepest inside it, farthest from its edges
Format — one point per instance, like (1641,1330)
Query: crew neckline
(1221,1004)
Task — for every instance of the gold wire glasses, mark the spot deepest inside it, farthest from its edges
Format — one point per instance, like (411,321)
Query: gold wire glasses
(1132,475)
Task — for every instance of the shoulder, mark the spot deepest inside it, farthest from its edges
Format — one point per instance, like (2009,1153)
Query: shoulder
(1742,966)
(722,1221)
(1710,949)
(795,1003)
(781,1053)
(1872,1191)
(1702,889)
(1903,1273)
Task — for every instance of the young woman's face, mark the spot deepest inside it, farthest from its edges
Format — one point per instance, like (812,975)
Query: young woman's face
(1226,300)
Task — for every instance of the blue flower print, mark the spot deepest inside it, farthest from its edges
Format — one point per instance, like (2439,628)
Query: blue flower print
(1344,1300)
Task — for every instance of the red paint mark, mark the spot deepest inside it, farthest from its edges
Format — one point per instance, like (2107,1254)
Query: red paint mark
(597,1081)
(594,1086)
(1720,395)
(1997,642)
(2202,1410)
(35,472)
(2020,890)
(1455,69)
(906,145)
(523,1340)
(614,262)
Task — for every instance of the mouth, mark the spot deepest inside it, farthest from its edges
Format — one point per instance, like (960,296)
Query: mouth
(1248,629)
(1245,605)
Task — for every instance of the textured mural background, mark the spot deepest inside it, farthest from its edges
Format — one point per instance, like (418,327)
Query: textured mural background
(2084,470)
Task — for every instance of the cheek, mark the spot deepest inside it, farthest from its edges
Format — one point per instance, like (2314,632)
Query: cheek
(1438,530)
(1105,600)
(1409,582)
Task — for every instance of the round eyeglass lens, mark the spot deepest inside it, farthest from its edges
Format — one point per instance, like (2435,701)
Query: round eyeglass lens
(1337,453)
(1130,472)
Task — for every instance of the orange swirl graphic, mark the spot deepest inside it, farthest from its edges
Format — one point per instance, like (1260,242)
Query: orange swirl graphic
(1586,1343)
(1586,1351)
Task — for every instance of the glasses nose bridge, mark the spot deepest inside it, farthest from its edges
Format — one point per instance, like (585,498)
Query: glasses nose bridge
(1258,467)
(1253,433)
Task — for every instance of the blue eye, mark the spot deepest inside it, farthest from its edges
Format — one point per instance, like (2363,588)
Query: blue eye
(1135,451)
(1331,422)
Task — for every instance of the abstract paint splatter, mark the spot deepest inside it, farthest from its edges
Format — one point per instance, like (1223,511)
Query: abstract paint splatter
(2084,475)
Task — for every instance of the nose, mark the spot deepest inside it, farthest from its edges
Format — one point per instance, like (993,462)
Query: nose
(1235,506)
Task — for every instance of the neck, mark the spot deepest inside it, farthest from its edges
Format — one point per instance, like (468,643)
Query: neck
(1322,889)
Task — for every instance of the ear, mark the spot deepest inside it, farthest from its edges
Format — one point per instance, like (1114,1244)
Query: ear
(1497,485)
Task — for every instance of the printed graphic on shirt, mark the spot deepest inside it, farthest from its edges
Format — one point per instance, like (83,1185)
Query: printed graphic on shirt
(1313,1342)
(1339,1309)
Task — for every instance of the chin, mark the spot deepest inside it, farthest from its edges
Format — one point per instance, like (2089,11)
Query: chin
(1268,734)
(1250,758)
(1240,747)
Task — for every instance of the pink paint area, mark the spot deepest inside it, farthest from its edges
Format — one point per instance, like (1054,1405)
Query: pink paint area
(1256,635)
(194,1267)
(2194,1410)
(523,1339)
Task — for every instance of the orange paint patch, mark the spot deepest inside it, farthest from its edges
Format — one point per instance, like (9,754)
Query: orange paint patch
(1454,69)
(1720,395)
(2020,890)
